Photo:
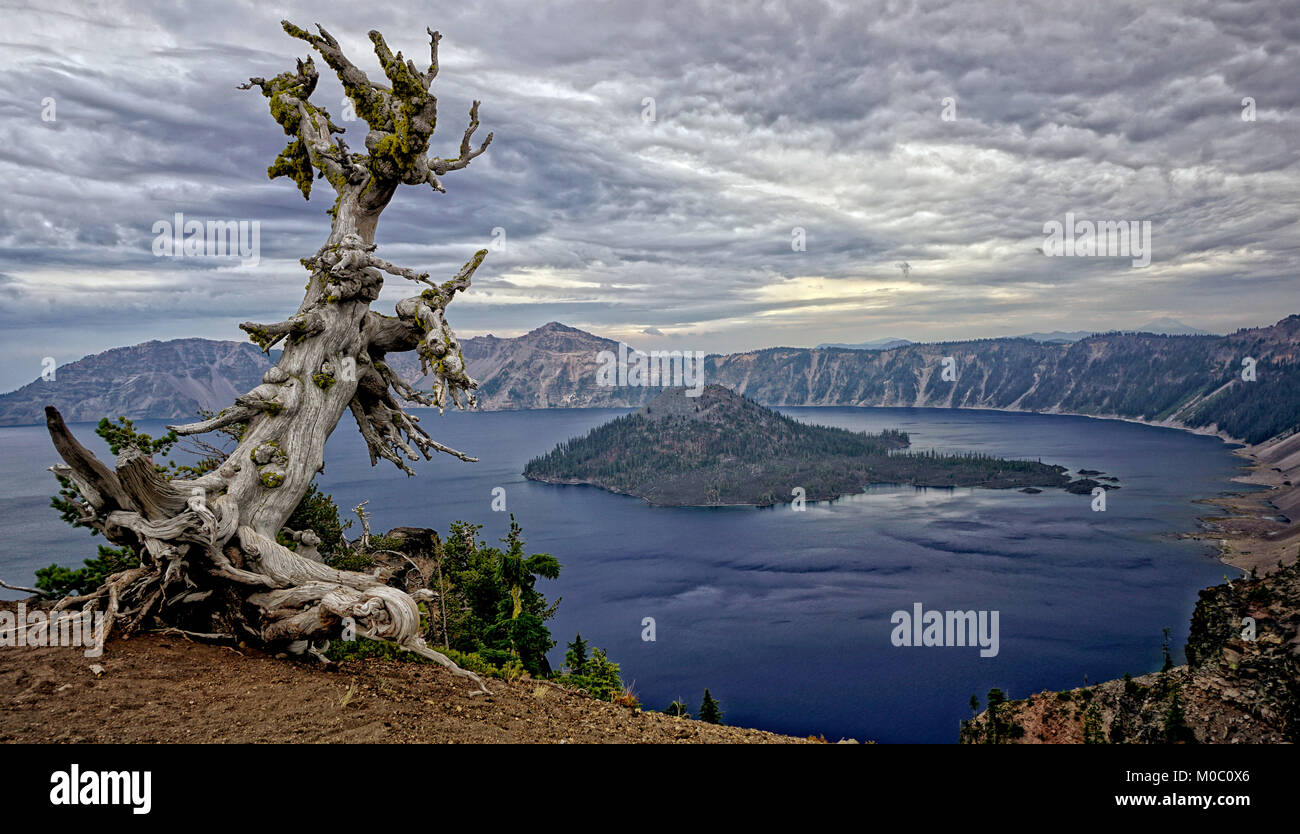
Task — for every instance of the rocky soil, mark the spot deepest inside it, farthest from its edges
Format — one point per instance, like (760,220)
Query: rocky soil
(165,688)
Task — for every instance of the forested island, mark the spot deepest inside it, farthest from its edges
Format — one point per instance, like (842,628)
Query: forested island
(721,448)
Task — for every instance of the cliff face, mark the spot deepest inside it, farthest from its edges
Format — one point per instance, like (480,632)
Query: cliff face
(1236,687)
(156,379)
(1188,381)
(1193,381)
(1262,674)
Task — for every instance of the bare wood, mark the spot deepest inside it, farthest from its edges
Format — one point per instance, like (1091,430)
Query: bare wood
(153,494)
(207,544)
(225,417)
(86,466)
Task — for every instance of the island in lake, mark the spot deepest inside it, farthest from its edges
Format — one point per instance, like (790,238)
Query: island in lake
(720,448)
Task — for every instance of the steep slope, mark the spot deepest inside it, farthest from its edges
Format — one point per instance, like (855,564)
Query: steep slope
(1192,381)
(553,366)
(1235,688)
(1185,381)
(167,380)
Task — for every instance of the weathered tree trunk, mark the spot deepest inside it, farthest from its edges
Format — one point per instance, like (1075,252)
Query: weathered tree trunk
(209,554)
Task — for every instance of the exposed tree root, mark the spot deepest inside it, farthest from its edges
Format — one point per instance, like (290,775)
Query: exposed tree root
(281,598)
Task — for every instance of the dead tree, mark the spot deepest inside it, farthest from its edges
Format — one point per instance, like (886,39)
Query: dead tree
(209,557)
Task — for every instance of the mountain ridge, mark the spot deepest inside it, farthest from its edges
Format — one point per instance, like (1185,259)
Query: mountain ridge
(1184,381)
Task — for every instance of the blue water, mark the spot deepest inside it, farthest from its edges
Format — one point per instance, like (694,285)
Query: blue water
(784,615)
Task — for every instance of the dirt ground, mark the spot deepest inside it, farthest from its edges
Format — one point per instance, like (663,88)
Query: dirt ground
(164,688)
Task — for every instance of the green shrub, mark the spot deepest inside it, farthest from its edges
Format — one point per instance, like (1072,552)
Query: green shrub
(60,581)
(600,677)
(386,542)
(348,559)
(677,708)
(363,648)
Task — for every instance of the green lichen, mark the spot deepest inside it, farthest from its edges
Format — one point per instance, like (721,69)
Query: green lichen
(323,381)
(294,163)
(271,480)
(277,455)
(401,117)
(449,285)
(259,337)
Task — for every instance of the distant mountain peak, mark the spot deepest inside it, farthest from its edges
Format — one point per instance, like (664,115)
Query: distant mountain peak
(559,338)
(1057,336)
(555,327)
(1167,326)
(886,343)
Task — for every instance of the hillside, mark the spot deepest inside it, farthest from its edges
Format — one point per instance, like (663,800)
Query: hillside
(554,366)
(1232,690)
(166,380)
(721,448)
(1188,381)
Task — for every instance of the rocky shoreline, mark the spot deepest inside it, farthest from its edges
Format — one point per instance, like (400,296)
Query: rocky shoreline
(1258,529)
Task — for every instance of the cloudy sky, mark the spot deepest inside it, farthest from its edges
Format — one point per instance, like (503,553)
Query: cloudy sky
(676,231)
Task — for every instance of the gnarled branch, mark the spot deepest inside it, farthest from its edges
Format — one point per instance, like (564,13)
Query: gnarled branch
(438,167)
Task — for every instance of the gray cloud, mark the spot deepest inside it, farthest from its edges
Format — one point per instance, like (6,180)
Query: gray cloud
(768,117)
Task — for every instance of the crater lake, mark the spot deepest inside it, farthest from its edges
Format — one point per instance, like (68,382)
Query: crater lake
(786,615)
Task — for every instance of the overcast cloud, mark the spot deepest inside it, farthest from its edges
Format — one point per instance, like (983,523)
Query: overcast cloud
(676,232)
